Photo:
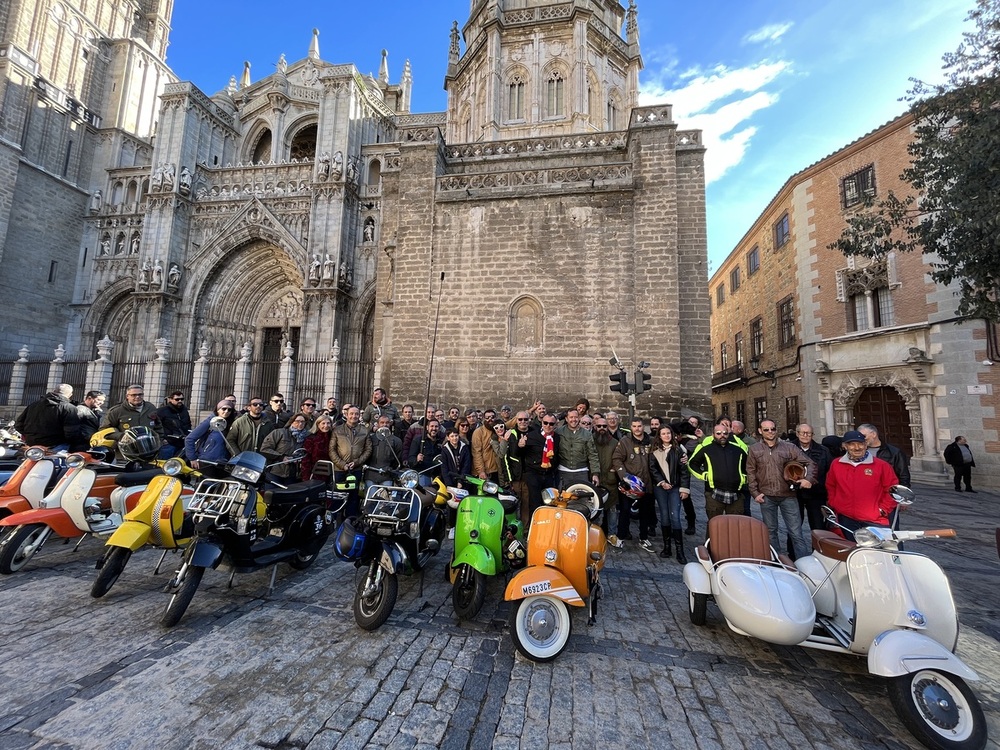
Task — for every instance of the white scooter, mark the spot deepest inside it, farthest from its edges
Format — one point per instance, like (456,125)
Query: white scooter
(866,598)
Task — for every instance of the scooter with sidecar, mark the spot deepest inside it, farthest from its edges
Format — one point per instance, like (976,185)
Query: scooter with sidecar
(868,598)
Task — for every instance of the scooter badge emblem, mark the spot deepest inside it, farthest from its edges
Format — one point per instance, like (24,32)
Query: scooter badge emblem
(571,534)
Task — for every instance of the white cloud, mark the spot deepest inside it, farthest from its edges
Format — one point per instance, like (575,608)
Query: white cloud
(720,103)
(768,34)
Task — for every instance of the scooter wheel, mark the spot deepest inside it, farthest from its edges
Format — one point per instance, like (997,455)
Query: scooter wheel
(540,627)
(468,592)
(20,545)
(697,607)
(182,596)
(939,709)
(114,563)
(371,612)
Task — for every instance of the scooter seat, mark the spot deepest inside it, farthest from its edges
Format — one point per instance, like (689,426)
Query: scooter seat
(830,544)
(137,478)
(509,502)
(296,493)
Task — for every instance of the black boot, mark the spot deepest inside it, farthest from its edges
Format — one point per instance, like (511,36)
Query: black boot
(666,541)
(679,538)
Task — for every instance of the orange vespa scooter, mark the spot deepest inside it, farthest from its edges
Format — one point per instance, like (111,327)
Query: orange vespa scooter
(566,552)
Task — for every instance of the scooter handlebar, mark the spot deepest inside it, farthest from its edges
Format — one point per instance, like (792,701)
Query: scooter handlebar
(906,536)
(941,533)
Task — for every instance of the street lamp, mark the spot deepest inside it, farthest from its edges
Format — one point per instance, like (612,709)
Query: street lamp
(755,366)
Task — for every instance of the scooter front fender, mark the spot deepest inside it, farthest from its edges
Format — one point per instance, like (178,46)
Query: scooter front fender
(894,653)
(478,557)
(55,518)
(545,581)
(391,558)
(130,535)
(205,555)
(697,579)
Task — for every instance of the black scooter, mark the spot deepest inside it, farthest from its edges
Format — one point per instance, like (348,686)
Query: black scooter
(238,529)
(400,528)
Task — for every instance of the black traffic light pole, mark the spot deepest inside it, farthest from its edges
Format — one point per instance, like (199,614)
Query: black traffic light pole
(620,384)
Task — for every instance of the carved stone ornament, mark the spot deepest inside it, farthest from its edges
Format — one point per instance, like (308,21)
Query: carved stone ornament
(104,348)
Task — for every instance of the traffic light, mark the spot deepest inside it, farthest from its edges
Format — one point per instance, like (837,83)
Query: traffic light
(619,382)
(642,381)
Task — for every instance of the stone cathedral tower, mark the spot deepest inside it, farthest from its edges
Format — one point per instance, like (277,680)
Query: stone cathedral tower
(311,212)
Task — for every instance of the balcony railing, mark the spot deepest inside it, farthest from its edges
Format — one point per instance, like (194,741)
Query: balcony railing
(729,377)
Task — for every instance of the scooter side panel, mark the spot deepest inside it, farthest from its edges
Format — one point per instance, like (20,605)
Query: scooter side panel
(766,602)
(825,596)
(898,652)
(478,557)
(75,495)
(11,505)
(56,518)
(544,581)
(36,480)
(888,586)
(485,516)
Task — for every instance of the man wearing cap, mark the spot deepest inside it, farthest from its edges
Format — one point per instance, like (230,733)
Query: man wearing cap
(858,485)
(766,463)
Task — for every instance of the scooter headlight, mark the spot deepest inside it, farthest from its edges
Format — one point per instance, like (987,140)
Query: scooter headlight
(75,460)
(173,467)
(550,556)
(34,453)
(490,488)
(866,537)
(549,495)
(409,479)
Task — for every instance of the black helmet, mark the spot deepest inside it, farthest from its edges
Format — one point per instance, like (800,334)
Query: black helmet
(139,444)
(349,542)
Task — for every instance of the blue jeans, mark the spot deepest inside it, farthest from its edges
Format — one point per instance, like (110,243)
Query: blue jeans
(669,504)
(789,509)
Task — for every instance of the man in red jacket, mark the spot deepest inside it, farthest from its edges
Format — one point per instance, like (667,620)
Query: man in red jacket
(858,485)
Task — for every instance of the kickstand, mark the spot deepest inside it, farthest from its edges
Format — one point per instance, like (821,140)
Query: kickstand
(421,593)
(274,574)
(80,542)
(156,570)
(231,577)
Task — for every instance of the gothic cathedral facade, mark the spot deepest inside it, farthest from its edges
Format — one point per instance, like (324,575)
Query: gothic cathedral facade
(544,221)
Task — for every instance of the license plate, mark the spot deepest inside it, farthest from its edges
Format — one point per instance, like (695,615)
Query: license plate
(536,588)
(383,531)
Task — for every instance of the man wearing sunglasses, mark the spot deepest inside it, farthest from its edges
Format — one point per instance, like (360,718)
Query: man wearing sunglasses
(772,491)
(538,451)
(176,423)
(276,414)
(721,465)
(250,429)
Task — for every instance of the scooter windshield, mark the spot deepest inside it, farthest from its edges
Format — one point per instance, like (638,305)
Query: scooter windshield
(247,466)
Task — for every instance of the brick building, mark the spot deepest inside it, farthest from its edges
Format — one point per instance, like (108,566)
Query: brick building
(839,341)
(311,214)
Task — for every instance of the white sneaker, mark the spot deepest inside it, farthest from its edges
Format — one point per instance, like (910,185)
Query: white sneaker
(646,545)
(451,533)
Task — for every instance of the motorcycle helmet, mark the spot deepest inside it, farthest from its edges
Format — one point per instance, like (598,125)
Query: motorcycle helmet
(515,554)
(794,471)
(102,439)
(350,542)
(632,487)
(139,444)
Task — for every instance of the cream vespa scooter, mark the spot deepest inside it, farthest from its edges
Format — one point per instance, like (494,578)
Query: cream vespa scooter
(865,598)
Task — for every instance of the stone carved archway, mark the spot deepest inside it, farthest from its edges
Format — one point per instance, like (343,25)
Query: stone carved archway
(850,388)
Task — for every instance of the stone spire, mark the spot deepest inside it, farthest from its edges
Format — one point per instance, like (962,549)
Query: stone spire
(406,84)
(245,78)
(314,45)
(453,52)
(383,68)
(632,24)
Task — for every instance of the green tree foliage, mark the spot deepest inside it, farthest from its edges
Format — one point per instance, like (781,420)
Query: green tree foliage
(953,211)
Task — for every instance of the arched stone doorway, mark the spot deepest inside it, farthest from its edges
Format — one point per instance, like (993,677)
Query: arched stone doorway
(883,407)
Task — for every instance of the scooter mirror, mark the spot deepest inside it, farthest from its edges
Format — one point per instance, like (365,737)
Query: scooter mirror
(218,424)
(902,494)
(829,515)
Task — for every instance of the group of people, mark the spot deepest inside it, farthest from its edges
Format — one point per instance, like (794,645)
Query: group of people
(645,467)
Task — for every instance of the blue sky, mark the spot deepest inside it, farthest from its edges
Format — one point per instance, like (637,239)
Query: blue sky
(775,85)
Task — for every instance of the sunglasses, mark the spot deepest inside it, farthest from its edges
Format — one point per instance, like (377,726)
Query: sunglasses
(309,405)
(257,403)
(277,400)
(600,427)
(224,408)
(548,422)
(522,419)
(768,429)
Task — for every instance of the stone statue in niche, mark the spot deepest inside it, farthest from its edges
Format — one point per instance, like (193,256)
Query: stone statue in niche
(95,202)
(369,231)
(246,350)
(323,170)
(314,269)
(158,274)
(168,176)
(352,171)
(120,245)
(185,181)
(328,268)
(338,165)
(156,181)
(174,276)
(134,246)
(282,65)
(105,247)
(144,276)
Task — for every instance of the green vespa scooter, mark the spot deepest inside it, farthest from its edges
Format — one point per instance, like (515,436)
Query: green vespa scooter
(489,540)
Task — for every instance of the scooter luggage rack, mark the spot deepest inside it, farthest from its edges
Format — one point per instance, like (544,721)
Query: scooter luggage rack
(216,497)
(389,505)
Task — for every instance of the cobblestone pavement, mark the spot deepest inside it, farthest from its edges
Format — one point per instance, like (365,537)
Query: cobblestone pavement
(294,671)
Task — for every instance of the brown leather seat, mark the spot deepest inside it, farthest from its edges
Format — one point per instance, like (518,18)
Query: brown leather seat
(830,544)
(732,536)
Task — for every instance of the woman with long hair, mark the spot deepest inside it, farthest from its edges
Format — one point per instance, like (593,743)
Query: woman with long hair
(317,445)
(671,481)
